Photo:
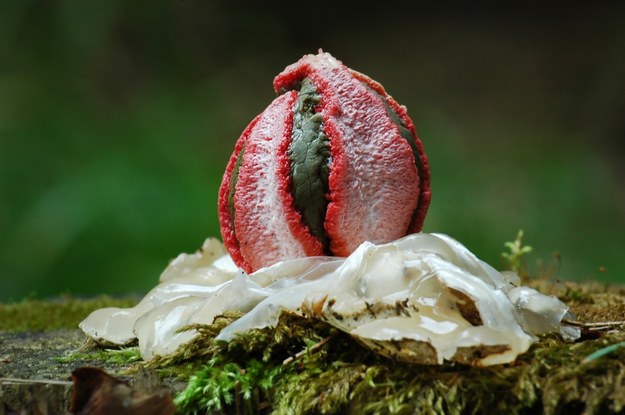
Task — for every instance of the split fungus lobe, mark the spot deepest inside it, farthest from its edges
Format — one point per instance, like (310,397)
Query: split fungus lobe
(334,161)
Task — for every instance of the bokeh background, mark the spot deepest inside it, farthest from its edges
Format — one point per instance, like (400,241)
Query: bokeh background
(117,119)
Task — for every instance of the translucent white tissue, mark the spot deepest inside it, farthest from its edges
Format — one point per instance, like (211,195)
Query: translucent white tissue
(423,298)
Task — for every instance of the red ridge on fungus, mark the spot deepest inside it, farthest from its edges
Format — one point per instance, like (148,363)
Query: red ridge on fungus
(425,193)
(225,220)
(268,227)
(374,183)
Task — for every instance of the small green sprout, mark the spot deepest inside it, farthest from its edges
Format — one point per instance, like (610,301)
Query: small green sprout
(517,250)
(602,352)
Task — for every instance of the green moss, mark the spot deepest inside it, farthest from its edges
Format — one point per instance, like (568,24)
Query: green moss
(65,312)
(219,386)
(249,375)
(123,356)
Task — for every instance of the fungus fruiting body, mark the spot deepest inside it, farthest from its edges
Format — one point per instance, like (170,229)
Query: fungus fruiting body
(321,208)
(332,162)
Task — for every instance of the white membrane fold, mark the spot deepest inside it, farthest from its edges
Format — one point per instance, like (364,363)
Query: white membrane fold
(424,298)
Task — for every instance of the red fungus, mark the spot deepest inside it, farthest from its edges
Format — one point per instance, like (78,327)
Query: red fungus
(332,162)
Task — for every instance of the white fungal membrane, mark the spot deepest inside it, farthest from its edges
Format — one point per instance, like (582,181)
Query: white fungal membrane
(423,298)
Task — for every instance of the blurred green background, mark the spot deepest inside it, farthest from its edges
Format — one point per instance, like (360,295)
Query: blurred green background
(117,119)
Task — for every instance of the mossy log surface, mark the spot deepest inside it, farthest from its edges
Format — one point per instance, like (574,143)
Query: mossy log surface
(40,346)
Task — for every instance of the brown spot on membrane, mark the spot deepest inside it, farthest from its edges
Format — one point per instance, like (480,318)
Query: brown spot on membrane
(466,306)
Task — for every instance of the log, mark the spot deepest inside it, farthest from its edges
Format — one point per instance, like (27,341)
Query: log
(553,377)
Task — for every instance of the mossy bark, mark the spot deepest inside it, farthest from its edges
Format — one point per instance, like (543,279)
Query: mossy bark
(248,375)
(40,346)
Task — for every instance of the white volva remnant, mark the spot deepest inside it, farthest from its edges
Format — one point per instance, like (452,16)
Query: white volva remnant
(423,298)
